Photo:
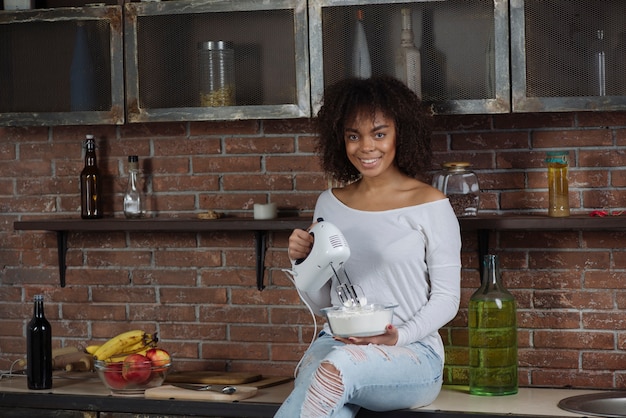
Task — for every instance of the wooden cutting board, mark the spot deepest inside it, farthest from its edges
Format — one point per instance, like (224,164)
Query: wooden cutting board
(212,378)
(172,392)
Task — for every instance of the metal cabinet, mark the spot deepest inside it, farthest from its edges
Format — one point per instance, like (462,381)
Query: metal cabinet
(464,46)
(61,67)
(163,63)
(568,55)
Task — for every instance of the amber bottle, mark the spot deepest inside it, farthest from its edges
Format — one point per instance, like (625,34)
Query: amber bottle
(90,183)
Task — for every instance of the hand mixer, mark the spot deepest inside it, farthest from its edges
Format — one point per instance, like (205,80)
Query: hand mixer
(330,250)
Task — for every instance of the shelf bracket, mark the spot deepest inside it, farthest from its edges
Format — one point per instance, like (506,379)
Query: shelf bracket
(62,252)
(259,244)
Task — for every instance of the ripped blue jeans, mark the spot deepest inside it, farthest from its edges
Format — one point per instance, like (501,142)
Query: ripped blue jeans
(336,380)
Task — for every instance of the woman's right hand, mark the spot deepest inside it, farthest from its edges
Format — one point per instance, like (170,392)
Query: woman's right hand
(300,244)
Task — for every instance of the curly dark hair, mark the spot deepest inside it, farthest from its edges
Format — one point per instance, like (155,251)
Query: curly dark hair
(343,100)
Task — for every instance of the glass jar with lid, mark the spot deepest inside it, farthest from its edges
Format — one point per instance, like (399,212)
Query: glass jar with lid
(217,73)
(460,185)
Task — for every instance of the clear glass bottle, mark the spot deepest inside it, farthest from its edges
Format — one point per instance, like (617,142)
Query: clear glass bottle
(133,198)
(600,64)
(408,61)
(461,186)
(39,349)
(217,73)
(558,187)
(90,183)
(492,322)
(361,62)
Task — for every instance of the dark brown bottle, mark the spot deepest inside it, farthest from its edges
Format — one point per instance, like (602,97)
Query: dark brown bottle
(90,183)
(39,349)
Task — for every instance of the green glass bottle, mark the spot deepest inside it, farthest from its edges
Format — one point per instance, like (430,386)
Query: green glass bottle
(492,322)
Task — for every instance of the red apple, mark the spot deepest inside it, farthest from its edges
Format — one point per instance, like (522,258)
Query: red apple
(113,376)
(159,358)
(136,368)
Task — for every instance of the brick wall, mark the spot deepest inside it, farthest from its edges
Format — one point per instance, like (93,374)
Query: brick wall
(198,290)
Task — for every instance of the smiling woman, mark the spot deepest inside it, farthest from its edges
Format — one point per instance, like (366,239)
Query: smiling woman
(374,136)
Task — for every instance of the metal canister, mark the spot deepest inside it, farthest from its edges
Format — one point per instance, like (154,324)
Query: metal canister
(217,73)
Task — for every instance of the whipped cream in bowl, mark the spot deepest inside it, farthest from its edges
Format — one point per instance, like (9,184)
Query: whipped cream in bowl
(359,321)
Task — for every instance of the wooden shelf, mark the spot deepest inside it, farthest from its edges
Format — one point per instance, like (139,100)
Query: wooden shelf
(481,224)
(260,228)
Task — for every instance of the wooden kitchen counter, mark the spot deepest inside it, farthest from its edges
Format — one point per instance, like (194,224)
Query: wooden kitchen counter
(85,392)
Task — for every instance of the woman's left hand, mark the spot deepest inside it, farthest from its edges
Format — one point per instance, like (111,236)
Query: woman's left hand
(390,337)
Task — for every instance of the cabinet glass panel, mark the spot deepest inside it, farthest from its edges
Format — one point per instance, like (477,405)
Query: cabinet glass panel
(464,48)
(61,66)
(568,55)
(178,70)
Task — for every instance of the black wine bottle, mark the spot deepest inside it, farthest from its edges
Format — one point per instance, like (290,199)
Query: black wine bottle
(39,349)
(90,183)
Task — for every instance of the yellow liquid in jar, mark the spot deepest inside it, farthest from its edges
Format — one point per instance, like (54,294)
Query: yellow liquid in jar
(558,190)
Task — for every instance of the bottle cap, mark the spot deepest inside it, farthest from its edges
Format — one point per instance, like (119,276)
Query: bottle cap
(456,165)
(133,159)
(38,297)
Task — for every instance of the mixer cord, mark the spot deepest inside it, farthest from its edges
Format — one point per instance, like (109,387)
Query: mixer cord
(289,274)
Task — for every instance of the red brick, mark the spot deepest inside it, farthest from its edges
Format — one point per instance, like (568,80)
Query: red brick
(287,126)
(256,333)
(257,182)
(185,183)
(604,199)
(573,300)
(604,320)
(571,138)
(141,130)
(604,279)
(461,122)
(603,361)
(489,141)
(549,359)
(574,339)
(175,258)
(160,277)
(221,128)
(191,296)
(263,145)
(102,294)
(499,181)
(293,163)
(238,350)
(569,259)
(165,147)
(306,144)
(158,313)
(602,158)
(120,258)
(196,332)
(573,378)
(547,319)
(533,120)
(601,119)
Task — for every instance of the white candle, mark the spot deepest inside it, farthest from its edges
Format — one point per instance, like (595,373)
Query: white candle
(267,211)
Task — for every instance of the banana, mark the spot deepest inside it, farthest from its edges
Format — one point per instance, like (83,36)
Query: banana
(120,343)
(63,350)
(91,349)
(121,357)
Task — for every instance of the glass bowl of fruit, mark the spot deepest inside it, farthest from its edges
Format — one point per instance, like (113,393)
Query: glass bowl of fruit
(136,373)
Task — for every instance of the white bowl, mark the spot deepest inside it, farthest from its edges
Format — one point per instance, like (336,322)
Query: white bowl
(360,321)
